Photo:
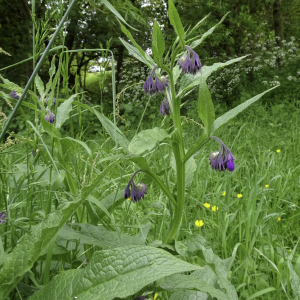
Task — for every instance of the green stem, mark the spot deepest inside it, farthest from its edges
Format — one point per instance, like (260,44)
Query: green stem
(180,169)
(35,71)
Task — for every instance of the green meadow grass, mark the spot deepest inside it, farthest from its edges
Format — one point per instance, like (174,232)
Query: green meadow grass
(261,226)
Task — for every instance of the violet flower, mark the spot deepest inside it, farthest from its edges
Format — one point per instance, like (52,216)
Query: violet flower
(50,117)
(34,153)
(157,86)
(54,101)
(222,160)
(189,64)
(14,95)
(165,108)
(2,217)
(135,191)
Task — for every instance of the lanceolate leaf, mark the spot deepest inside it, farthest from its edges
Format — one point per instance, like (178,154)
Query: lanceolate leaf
(175,22)
(233,112)
(137,54)
(32,244)
(63,111)
(206,109)
(116,273)
(147,139)
(139,48)
(158,44)
(207,33)
(189,81)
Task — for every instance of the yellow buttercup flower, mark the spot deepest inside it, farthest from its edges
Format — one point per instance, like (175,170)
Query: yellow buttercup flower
(239,195)
(207,205)
(70,168)
(224,194)
(199,223)
(269,150)
(278,151)
(266,186)
(215,208)
(279,219)
(155,296)
(82,156)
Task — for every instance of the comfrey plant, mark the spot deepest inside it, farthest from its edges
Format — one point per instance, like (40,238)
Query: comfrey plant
(184,66)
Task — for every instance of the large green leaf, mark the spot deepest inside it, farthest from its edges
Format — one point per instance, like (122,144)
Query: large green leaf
(189,81)
(295,281)
(63,111)
(233,112)
(32,244)
(195,243)
(98,236)
(206,109)
(158,44)
(147,139)
(207,33)
(119,272)
(191,282)
(188,295)
(175,22)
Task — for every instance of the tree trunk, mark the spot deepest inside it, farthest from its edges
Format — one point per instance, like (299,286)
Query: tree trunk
(278,22)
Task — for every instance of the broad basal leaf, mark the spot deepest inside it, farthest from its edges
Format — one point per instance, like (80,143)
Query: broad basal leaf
(195,243)
(98,236)
(116,273)
(147,139)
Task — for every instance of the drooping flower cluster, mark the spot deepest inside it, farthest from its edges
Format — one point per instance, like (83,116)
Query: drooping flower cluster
(165,108)
(14,95)
(223,159)
(190,64)
(50,117)
(155,86)
(2,217)
(135,191)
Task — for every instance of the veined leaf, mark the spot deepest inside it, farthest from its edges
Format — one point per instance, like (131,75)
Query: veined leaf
(175,22)
(191,282)
(32,244)
(206,111)
(147,139)
(115,273)
(158,44)
(114,132)
(188,295)
(233,112)
(207,33)
(40,85)
(98,236)
(193,244)
(139,48)
(63,111)
(188,81)
(137,54)
(295,281)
